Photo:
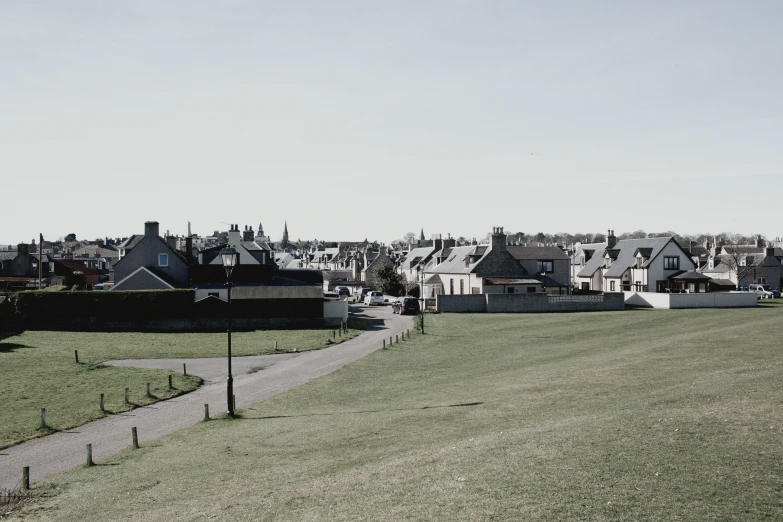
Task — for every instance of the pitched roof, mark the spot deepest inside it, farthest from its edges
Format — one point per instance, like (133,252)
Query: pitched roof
(592,264)
(455,260)
(626,253)
(415,256)
(510,281)
(536,252)
(691,275)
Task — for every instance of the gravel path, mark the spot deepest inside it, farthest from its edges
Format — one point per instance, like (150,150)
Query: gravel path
(255,379)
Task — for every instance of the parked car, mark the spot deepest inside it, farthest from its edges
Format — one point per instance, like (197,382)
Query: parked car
(405,305)
(762,291)
(342,291)
(374,298)
(360,294)
(776,293)
(331,296)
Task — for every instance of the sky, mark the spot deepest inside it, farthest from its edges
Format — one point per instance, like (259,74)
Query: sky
(354,120)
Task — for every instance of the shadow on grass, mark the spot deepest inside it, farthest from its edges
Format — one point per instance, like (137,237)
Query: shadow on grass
(11,347)
(460,405)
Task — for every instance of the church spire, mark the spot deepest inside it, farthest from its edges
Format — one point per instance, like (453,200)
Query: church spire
(284,243)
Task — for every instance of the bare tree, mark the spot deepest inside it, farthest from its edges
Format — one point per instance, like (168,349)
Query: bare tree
(739,263)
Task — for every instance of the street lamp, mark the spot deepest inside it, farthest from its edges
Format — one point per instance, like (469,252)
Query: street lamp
(423,301)
(230,259)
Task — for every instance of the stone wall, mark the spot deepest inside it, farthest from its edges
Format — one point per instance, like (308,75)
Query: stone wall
(529,303)
(460,303)
(696,300)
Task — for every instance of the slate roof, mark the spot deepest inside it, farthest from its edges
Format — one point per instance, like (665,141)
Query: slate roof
(592,265)
(645,252)
(415,256)
(722,282)
(691,275)
(8,255)
(536,252)
(510,281)
(626,253)
(434,279)
(132,241)
(455,260)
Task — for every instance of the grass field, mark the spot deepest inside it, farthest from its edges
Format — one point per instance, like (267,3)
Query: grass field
(39,371)
(636,415)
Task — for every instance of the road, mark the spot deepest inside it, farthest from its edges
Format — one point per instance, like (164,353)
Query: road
(255,379)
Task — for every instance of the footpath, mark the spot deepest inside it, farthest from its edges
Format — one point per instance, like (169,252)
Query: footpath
(255,379)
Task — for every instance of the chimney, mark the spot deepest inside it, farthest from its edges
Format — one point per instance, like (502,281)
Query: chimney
(172,242)
(448,243)
(611,240)
(770,251)
(234,236)
(498,240)
(151,229)
(759,242)
(247,234)
(22,249)
(189,249)
(438,244)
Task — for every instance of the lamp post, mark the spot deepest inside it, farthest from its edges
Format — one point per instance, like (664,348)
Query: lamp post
(423,302)
(230,258)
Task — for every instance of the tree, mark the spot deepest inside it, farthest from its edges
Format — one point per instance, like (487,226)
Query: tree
(739,263)
(410,237)
(388,280)
(70,237)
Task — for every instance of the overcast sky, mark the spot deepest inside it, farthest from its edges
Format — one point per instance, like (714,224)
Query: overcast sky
(373,119)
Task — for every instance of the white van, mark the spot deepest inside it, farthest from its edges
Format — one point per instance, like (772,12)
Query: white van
(764,291)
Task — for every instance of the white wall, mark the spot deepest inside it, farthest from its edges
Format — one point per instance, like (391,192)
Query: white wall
(337,309)
(708,300)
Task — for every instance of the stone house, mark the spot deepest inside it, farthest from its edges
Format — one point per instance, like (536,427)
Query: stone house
(549,264)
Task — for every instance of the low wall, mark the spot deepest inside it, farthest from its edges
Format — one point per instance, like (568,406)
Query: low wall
(678,301)
(460,303)
(529,303)
(336,310)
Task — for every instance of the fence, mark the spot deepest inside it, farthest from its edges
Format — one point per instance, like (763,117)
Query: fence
(529,303)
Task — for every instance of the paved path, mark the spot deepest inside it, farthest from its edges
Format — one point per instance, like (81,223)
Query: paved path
(255,379)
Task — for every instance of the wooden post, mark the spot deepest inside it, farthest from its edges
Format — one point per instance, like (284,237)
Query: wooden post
(127,396)
(390,340)
(384,344)
(135,437)
(170,386)
(334,334)
(234,401)
(340,331)
(76,356)
(184,369)
(89,455)
(102,408)
(26,477)
(206,412)
(43,418)
(89,359)
(148,390)
(396,338)
(275,345)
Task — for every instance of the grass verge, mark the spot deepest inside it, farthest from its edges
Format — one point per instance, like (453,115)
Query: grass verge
(39,371)
(641,415)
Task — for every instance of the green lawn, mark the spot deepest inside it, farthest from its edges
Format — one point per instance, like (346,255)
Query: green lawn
(637,415)
(39,371)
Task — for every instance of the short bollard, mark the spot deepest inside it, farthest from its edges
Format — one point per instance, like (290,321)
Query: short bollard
(26,477)
(102,407)
(170,386)
(148,390)
(135,437)
(76,356)
(43,419)
(390,340)
(409,333)
(396,338)
(384,344)
(89,360)
(89,455)
(127,396)
(184,369)
(340,331)
(206,412)
(275,345)
(334,334)
(234,402)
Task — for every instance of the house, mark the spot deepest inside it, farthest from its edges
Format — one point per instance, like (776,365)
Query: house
(640,265)
(746,264)
(478,269)
(373,261)
(150,263)
(417,258)
(549,264)
(250,251)
(582,254)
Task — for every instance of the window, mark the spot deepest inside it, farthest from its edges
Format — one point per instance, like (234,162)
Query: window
(531,289)
(511,290)
(545,266)
(461,286)
(163,260)
(671,263)
(611,286)
(451,286)
(585,286)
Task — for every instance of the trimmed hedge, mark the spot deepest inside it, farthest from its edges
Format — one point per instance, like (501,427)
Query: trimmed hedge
(40,308)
